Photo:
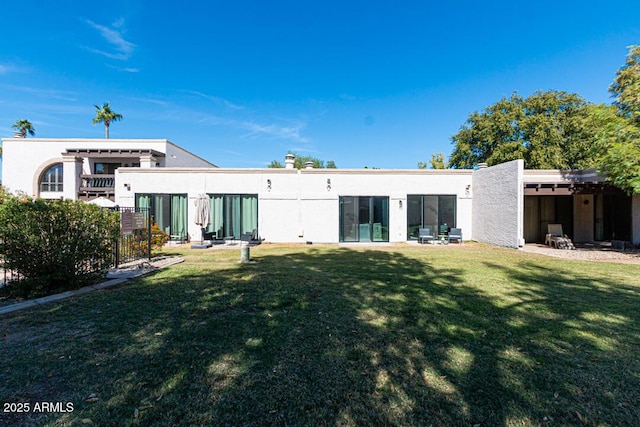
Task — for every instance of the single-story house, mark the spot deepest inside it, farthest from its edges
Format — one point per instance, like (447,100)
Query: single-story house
(503,205)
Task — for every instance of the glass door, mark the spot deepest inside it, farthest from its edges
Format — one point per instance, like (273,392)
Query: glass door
(364,219)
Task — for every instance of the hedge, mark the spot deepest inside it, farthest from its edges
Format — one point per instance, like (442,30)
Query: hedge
(55,245)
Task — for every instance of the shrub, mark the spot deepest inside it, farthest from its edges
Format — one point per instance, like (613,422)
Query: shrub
(55,244)
(138,242)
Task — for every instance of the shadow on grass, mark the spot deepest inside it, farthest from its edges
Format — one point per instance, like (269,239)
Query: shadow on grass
(341,337)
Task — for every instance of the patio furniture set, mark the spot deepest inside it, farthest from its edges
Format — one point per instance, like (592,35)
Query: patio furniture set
(444,237)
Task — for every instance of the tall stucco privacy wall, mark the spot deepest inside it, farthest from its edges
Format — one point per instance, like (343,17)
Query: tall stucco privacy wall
(498,204)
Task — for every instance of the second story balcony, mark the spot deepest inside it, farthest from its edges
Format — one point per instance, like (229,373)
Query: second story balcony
(97,185)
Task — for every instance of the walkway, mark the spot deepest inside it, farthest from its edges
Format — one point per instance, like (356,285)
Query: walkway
(115,277)
(588,252)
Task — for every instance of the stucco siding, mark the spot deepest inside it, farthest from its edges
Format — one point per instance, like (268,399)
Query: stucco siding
(179,157)
(300,206)
(24,159)
(498,204)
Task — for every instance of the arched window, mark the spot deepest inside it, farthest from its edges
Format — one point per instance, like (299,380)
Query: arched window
(52,178)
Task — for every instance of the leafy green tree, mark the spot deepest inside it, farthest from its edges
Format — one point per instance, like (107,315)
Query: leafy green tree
(548,130)
(25,127)
(626,86)
(275,165)
(437,161)
(105,115)
(618,133)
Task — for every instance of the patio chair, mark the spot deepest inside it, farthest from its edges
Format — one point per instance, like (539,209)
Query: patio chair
(424,235)
(455,234)
(556,238)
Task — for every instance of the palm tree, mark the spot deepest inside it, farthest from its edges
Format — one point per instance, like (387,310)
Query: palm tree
(104,114)
(25,127)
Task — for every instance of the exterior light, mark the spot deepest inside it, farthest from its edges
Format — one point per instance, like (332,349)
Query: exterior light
(269,184)
(328,184)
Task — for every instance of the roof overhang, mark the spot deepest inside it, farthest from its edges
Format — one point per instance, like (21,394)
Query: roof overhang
(112,153)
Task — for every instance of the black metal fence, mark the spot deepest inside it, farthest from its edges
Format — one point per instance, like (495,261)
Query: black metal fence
(134,239)
(133,243)
(8,275)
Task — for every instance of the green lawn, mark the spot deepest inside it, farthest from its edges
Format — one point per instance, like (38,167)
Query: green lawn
(327,335)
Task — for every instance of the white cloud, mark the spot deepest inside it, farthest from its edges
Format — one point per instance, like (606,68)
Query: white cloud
(9,68)
(124,69)
(122,49)
(220,101)
(63,95)
(274,130)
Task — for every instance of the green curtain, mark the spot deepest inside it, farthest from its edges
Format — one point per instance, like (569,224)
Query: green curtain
(159,213)
(233,214)
(232,220)
(144,201)
(217,215)
(179,215)
(249,214)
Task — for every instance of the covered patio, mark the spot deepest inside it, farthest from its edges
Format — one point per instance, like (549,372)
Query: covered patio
(588,209)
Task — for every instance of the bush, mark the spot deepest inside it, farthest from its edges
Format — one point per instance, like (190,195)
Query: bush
(55,244)
(138,242)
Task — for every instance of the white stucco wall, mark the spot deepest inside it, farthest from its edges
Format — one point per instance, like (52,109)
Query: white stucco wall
(179,157)
(498,204)
(301,206)
(24,159)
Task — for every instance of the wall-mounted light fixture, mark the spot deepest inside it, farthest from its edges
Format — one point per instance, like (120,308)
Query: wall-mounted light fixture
(269,184)
(400,203)
(128,187)
(328,184)
(467,190)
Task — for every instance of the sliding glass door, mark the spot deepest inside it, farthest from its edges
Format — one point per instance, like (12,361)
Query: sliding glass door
(169,211)
(233,215)
(364,219)
(430,211)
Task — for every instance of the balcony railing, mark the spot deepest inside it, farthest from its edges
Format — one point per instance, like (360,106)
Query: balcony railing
(97,185)
(98,181)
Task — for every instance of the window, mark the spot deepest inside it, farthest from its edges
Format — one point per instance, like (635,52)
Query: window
(169,211)
(105,168)
(430,211)
(233,215)
(364,219)
(52,178)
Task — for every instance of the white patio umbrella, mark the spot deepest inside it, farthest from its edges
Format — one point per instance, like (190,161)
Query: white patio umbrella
(202,214)
(103,202)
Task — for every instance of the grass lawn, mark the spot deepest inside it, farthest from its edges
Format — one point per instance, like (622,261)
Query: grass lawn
(328,335)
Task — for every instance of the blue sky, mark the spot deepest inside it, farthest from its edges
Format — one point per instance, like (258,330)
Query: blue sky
(364,83)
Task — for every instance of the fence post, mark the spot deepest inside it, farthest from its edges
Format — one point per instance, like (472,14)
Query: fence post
(149,233)
(116,250)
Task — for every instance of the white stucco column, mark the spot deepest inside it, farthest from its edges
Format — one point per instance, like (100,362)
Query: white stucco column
(147,161)
(71,171)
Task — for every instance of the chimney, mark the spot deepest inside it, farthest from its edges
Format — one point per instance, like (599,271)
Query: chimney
(289,160)
(308,165)
(482,165)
